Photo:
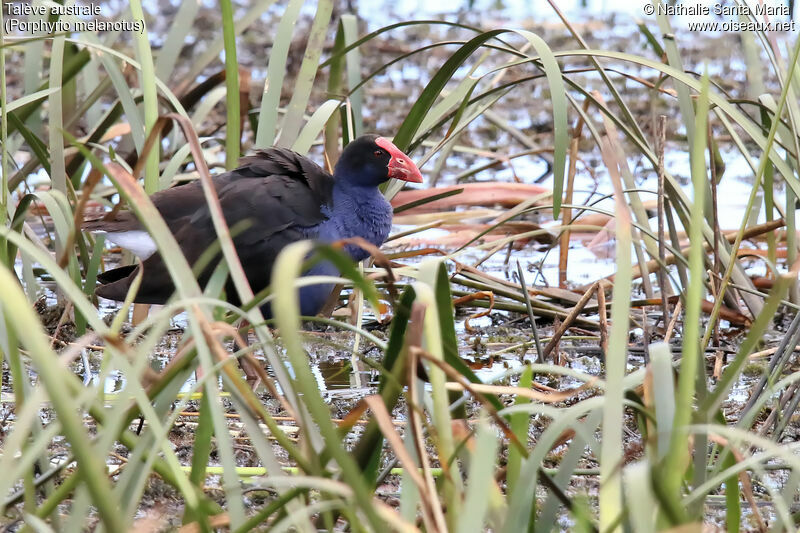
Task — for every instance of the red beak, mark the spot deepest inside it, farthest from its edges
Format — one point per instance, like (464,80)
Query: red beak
(401,167)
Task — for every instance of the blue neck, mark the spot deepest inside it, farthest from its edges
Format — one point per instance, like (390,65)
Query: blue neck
(358,211)
(349,198)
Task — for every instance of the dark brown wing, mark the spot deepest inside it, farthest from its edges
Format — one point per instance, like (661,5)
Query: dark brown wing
(277,195)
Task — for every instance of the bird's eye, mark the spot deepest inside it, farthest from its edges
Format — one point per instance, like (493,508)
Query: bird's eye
(378,153)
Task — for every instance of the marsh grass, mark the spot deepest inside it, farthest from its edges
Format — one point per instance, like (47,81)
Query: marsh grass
(545,447)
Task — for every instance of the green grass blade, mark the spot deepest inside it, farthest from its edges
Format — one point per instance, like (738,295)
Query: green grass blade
(663,396)
(284,275)
(233,131)
(276,70)
(301,92)
(480,477)
(91,467)
(611,452)
(520,424)
(349,25)
(58,173)
(148,76)
(559,100)
(4,148)
(176,36)
(323,114)
(641,500)
(435,342)
(692,367)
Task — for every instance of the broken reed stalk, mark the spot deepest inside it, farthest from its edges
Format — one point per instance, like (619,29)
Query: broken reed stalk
(662,248)
(603,313)
(714,278)
(676,243)
(569,319)
(718,354)
(467,298)
(645,336)
(566,212)
(529,306)
(675,314)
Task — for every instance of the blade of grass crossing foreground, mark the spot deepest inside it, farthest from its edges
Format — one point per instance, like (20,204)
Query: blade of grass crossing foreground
(32,97)
(674,60)
(481,476)
(520,424)
(301,92)
(434,343)
(176,36)
(349,25)
(284,275)
(149,91)
(33,72)
(199,324)
(314,126)
(409,492)
(201,451)
(447,328)
(692,369)
(4,148)
(186,285)
(641,500)
(583,439)
(276,71)
(336,68)
(368,449)
(611,450)
(233,131)
(58,175)
(733,511)
(91,467)
(663,397)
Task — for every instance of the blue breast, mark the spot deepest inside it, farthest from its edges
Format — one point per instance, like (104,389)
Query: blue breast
(356,212)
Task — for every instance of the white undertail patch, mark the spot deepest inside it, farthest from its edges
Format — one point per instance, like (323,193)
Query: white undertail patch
(137,241)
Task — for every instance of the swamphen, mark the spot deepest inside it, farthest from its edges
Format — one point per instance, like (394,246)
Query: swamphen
(285,197)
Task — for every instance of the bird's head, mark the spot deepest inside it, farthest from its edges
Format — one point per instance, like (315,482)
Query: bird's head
(371,160)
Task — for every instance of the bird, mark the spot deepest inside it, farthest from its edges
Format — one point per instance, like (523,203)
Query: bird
(280,197)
